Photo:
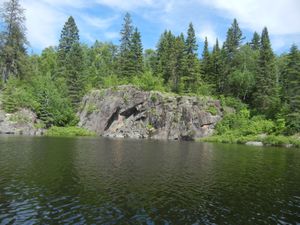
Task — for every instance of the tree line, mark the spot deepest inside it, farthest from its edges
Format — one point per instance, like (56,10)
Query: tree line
(53,83)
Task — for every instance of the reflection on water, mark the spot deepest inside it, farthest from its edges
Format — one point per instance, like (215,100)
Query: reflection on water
(103,181)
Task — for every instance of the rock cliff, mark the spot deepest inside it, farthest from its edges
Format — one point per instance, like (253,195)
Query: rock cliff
(23,122)
(126,111)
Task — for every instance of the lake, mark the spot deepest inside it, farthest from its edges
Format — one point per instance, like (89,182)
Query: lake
(104,181)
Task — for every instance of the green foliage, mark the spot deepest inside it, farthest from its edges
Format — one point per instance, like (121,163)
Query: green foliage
(17,94)
(212,110)
(291,89)
(68,132)
(266,95)
(269,140)
(13,40)
(148,82)
(53,83)
(234,103)
(112,81)
(69,36)
(137,52)
(241,124)
(191,73)
(40,95)
(127,65)
(91,108)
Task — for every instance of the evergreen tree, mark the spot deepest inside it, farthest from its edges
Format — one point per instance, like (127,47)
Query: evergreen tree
(69,36)
(137,51)
(13,39)
(233,40)
(164,55)
(266,97)
(126,65)
(216,67)
(177,63)
(191,73)
(74,69)
(255,42)
(206,70)
(292,89)
(70,60)
(150,60)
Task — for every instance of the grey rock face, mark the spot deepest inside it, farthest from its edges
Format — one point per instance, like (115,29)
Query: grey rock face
(19,123)
(126,111)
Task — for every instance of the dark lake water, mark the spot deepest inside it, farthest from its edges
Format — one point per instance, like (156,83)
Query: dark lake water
(103,181)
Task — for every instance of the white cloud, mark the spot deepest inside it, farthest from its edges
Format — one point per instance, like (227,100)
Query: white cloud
(208,31)
(127,5)
(111,35)
(99,22)
(45,18)
(43,24)
(282,17)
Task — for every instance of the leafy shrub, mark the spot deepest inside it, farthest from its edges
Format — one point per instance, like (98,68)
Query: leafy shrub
(235,103)
(68,132)
(148,82)
(17,95)
(241,124)
(42,95)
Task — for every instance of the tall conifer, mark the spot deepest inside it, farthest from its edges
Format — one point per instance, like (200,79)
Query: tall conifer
(12,39)
(266,97)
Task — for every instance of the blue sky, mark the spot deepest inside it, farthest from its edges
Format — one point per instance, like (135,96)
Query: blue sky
(102,19)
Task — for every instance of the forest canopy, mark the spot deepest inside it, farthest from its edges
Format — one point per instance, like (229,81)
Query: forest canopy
(53,82)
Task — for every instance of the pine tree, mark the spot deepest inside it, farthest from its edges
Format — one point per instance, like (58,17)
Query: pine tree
(292,89)
(266,97)
(13,39)
(255,42)
(126,65)
(191,70)
(137,51)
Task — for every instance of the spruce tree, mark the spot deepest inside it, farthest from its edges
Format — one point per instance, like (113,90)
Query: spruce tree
(206,70)
(126,64)
(266,97)
(137,51)
(74,68)
(233,40)
(13,39)
(191,70)
(165,52)
(71,61)
(177,63)
(69,36)
(292,89)
(255,42)
(216,67)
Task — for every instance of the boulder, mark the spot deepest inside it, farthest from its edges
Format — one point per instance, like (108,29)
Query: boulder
(22,122)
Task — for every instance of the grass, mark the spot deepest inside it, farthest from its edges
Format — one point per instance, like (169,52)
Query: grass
(269,140)
(68,132)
